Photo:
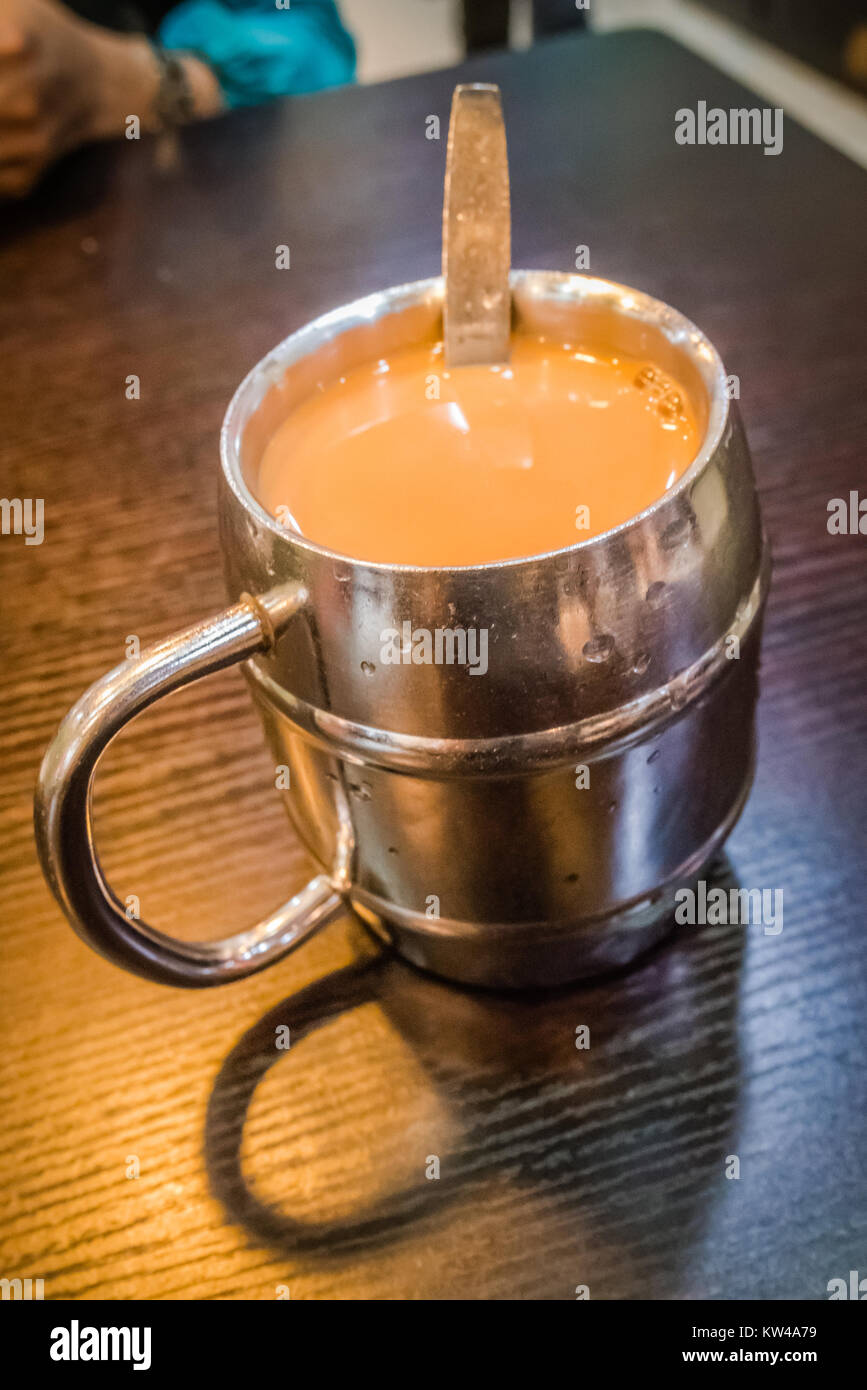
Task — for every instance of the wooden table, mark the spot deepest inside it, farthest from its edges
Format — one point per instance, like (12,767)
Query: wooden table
(260,1168)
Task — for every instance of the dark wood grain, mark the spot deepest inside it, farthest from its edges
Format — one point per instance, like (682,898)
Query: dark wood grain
(558,1167)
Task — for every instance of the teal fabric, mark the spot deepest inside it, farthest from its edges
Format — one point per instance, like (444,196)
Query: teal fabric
(259,51)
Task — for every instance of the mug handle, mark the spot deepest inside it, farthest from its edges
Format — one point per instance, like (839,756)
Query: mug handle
(63,821)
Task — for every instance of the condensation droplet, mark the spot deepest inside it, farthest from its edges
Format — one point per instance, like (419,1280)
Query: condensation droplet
(368,668)
(342,572)
(599,648)
(612,807)
(362,790)
(641,663)
(654,757)
(572,878)
(655,593)
(392,849)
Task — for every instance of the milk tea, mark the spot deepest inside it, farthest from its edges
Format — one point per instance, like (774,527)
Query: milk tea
(402,461)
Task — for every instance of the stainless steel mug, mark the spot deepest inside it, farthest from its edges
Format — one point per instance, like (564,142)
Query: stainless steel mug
(525,826)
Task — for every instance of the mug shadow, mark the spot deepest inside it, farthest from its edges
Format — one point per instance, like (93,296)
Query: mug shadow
(616,1132)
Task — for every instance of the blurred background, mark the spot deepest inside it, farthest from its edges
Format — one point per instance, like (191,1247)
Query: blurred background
(72,73)
(808,55)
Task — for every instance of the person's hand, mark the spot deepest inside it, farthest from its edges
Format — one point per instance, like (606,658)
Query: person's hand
(64,82)
(47,79)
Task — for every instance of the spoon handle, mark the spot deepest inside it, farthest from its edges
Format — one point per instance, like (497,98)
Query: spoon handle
(476,230)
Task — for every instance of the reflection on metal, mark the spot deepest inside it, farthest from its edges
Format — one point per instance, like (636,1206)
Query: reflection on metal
(64,830)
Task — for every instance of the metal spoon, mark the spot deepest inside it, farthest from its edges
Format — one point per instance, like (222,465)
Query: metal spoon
(476,230)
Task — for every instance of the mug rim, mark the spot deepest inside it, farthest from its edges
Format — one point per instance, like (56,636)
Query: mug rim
(681,332)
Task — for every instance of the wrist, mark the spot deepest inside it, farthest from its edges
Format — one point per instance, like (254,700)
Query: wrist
(127,84)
